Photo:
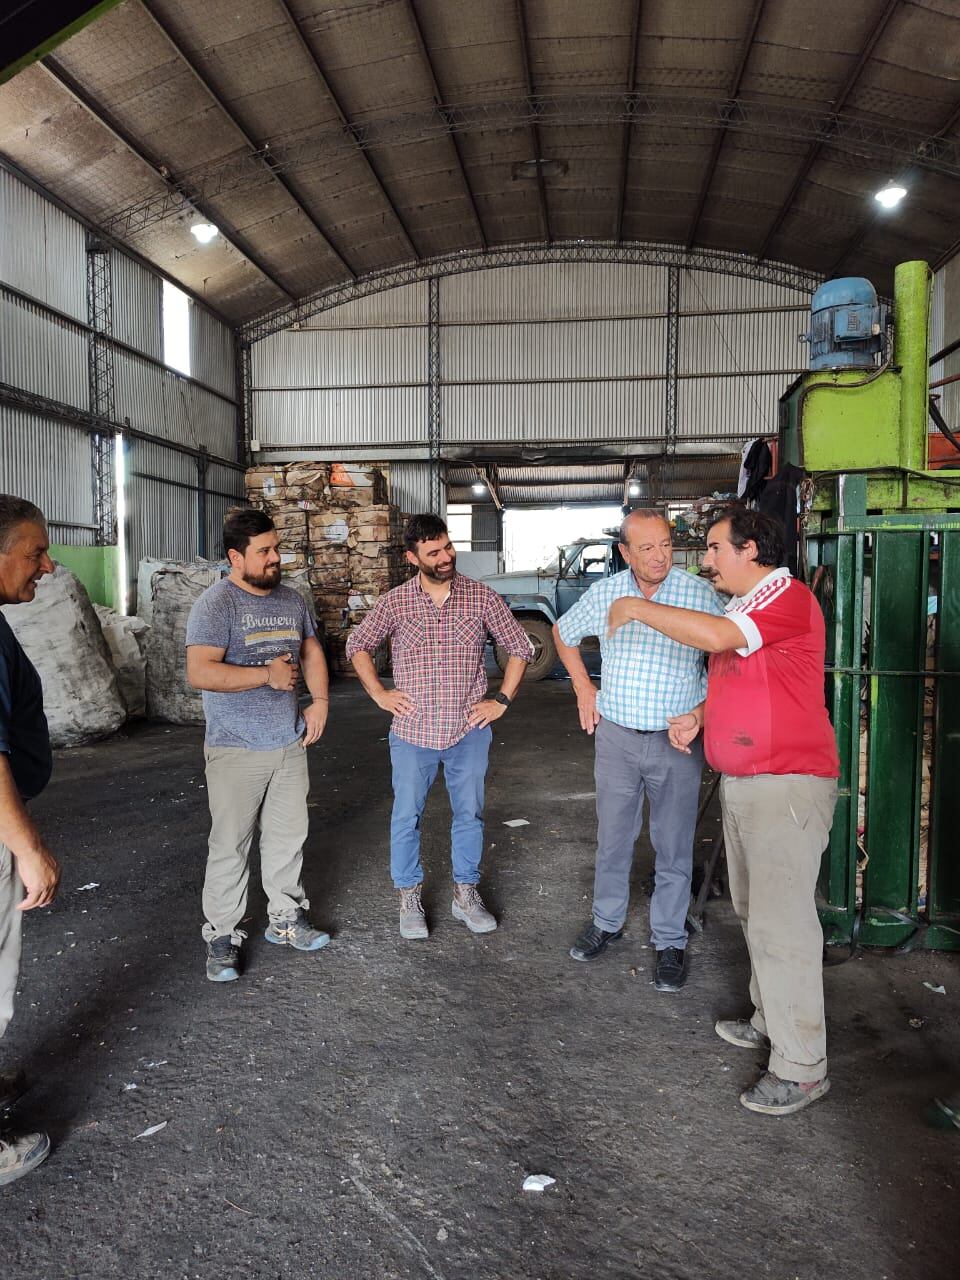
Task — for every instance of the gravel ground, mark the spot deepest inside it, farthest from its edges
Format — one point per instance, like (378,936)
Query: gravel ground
(372,1110)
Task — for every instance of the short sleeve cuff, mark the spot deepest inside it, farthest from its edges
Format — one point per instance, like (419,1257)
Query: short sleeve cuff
(753,640)
(568,633)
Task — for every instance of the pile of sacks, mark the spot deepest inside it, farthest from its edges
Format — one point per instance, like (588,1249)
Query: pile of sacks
(335,525)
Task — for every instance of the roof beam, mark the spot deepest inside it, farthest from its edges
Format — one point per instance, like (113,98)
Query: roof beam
(907,176)
(628,125)
(534,128)
(447,120)
(485,476)
(745,50)
(813,151)
(106,120)
(349,127)
(254,146)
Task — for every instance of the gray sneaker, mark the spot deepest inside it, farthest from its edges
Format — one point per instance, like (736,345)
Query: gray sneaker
(771,1096)
(413,923)
(20,1155)
(223,959)
(298,933)
(742,1033)
(468,907)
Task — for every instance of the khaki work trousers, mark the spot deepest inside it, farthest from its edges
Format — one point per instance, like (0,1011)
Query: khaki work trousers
(11,892)
(775,828)
(245,787)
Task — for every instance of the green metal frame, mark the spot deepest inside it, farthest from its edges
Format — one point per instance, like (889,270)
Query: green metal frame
(896,558)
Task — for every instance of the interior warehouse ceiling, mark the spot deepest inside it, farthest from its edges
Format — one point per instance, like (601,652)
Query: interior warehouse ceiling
(330,141)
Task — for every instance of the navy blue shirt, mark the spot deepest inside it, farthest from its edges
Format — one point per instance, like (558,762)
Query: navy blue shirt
(24,737)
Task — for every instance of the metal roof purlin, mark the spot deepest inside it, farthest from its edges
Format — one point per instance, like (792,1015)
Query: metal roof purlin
(256,148)
(745,51)
(635,253)
(837,105)
(628,124)
(538,156)
(177,189)
(351,129)
(889,144)
(442,109)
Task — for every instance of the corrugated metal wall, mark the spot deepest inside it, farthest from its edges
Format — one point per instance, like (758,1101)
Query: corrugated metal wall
(945,328)
(410,486)
(544,353)
(44,341)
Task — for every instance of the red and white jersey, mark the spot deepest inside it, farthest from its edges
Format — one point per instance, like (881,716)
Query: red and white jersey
(765,709)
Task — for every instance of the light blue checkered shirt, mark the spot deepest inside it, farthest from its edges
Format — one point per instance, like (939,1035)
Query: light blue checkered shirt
(645,677)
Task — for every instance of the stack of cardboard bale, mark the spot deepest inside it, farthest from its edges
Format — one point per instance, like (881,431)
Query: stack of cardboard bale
(334,521)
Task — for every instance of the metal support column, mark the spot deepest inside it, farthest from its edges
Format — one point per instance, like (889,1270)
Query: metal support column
(100,374)
(433,393)
(203,463)
(673,345)
(244,383)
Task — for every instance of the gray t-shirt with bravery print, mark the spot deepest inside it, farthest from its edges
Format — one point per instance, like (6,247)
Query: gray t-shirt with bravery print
(252,630)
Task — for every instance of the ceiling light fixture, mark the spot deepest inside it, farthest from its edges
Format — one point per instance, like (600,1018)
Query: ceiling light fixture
(479,487)
(634,490)
(890,195)
(204,231)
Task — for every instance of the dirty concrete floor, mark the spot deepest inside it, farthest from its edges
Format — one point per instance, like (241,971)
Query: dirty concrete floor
(372,1110)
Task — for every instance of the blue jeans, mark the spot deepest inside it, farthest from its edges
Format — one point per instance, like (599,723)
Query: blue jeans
(464,772)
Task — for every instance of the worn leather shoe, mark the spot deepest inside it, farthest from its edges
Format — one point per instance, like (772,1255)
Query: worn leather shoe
(671,971)
(592,941)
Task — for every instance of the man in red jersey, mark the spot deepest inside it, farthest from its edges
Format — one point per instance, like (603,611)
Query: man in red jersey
(766,730)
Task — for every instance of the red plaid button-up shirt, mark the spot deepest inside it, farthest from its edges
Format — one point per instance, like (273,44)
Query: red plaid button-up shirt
(438,653)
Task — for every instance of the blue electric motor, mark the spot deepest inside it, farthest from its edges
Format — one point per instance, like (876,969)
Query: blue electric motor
(845,330)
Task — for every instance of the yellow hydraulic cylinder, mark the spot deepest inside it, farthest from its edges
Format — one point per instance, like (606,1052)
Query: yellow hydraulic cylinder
(911,352)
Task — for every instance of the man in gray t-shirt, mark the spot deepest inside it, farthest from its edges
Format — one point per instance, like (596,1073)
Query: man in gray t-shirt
(247,638)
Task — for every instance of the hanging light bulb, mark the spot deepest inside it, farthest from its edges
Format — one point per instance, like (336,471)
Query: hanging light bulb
(890,195)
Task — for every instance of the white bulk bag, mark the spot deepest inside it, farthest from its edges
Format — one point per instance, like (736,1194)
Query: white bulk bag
(126,638)
(61,636)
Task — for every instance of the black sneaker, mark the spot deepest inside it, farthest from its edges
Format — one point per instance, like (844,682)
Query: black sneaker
(223,959)
(671,971)
(13,1085)
(592,941)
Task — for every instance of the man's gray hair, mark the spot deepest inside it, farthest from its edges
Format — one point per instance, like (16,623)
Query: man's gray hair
(640,513)
(16,511)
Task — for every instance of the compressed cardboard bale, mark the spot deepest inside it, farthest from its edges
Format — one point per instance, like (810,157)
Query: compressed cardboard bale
(328,527)
(291,561)
(311,477)
(356,486)
(290,520)
(263,483)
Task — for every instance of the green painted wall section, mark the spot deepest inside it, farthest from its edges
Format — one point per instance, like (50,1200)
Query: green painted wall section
(96,567)
(52,41)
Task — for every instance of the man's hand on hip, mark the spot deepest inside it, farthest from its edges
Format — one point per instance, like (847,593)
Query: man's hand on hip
(682,731)
(315,718)
(395,701)
(587,706)
(484,712)
(282,673)
(40,873)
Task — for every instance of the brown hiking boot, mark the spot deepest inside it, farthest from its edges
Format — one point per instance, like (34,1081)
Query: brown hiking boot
(413,923)
(468,907)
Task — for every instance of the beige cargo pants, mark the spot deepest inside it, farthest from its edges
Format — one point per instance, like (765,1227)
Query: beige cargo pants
(11,892)
(775,828)
(246,788)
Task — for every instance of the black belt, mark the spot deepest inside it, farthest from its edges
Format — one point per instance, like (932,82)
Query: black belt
(648,731)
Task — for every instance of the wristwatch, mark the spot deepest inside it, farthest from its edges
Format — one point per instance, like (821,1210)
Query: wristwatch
(502,699)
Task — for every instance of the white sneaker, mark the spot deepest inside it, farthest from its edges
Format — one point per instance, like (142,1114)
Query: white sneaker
(413,923)
(19,1155)
(468,907)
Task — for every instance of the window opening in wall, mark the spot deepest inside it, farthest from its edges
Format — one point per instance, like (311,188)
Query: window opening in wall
(459,517)
(531,536)
(176,328)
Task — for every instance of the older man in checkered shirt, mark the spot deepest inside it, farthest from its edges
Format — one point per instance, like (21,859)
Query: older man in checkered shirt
(438,624)
(646,681)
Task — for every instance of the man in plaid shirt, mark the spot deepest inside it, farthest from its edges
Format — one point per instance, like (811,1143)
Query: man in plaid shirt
(438,624)
(647,682)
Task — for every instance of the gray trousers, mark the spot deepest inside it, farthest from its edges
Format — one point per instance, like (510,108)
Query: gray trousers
(11,892)
(244,788)
(629,765)
(775,829)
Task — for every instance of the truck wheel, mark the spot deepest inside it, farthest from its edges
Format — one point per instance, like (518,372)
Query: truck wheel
(540,634)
